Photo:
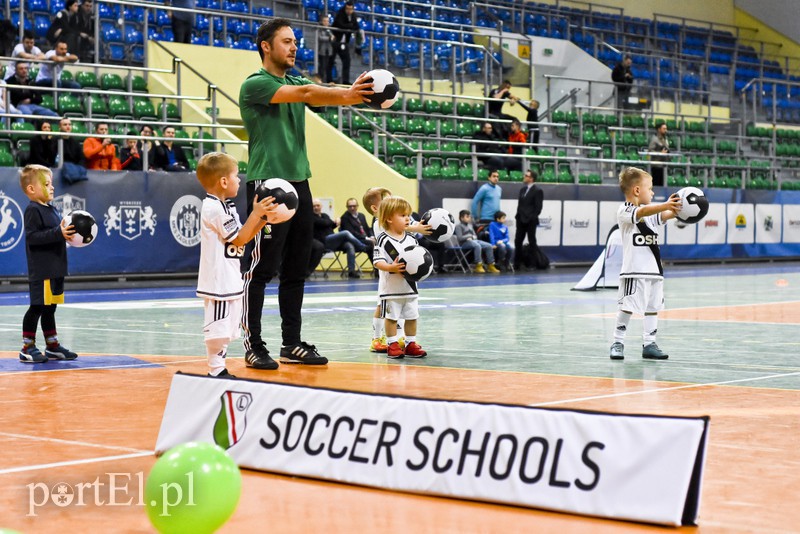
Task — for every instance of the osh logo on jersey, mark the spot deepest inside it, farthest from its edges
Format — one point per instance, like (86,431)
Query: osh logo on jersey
(184,220)
(130,220)
(232,419)
(11,223)
(67,203)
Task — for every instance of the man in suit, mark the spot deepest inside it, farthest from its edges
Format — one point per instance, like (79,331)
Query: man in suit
(354,222)
(528,210)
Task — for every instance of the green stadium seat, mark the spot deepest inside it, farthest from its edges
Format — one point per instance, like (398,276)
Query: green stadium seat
(79,127)
(413,105)
(118,108)
(465,173)
(416,126)
(7,159)
(479,110)
(48,101)
(429,127)
(173,114)
(182,138)
(242,167)
(464,109)
(450,172)
(66,76)
(398,104)
(467,129)
(68,104)
(447,129)
(432,106)
(111,82)
(95,105)
(206,147)
(143,109)
(87,79)
(17,128)
(447,107)
(395,125)
(139,85)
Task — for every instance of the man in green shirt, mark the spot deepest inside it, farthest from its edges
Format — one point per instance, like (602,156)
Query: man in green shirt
(272,106)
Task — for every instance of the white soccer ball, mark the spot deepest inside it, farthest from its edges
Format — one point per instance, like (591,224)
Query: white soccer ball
(419,263)
(386,88)
(85,228)
(285,196)
(442,224)
(694,205)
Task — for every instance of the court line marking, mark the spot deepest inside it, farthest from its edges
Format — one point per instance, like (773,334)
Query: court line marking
(659,390)
(38,467)
(70,442)
(131,366)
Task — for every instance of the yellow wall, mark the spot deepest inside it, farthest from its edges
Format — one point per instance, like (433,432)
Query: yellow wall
(719,11)
(766,33)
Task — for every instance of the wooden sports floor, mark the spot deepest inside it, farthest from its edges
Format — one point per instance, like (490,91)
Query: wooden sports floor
(732,332)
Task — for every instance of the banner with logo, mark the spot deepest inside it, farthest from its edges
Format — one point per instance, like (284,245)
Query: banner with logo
(631,467)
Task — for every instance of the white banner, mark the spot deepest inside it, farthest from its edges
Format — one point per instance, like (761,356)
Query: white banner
(740,223)
(548,233)
(632,467)
(580,222)
(791,223)
(768,223)
(712,229)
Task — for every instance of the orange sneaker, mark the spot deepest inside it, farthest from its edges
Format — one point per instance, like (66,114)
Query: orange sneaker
(413,350)
(378,345)
(394,351)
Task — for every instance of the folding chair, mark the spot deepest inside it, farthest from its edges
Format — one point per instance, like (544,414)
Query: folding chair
(334,263)
(452,250)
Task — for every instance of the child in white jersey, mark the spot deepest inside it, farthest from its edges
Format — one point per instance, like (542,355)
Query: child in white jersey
(399,297)
(222,241)
(641,285)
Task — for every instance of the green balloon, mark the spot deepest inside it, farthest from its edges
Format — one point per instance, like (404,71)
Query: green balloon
(193,489)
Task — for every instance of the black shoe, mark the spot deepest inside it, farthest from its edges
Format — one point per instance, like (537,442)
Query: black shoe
(353,274)
(59,352)
(223,374)
(258,358)
(302,353)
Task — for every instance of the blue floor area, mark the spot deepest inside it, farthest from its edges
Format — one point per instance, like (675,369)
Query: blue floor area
(83,362)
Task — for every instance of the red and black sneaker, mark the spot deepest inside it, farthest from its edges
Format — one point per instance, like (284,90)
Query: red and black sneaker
(413,350)
(394,351)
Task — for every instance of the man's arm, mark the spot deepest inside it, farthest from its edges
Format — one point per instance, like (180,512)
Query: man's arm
(69,58)
(318,95)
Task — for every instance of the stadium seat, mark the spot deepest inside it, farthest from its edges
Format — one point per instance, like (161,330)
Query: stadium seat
(143,109)
(87,79)
(111,82)
(69,105)
(95,106)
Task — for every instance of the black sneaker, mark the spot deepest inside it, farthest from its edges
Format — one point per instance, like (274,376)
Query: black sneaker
(258,358)
(32,354)
(225,374)
(302,353)
(60,352)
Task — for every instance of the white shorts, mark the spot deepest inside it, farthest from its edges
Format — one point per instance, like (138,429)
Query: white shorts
(641,295)
(395,309)
(222,318)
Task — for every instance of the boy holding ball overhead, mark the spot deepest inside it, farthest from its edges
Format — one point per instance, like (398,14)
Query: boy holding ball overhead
(222,241)
(46,249)
(641,285)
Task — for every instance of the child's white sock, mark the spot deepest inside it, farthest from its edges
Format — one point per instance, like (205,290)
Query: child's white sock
(621,329)
(377,327)
(650,327)
(216,350)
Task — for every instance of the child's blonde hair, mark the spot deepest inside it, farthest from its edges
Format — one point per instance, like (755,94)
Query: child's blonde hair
(630,177)
(33,173)
(213,166)
(373,197)
(391,206)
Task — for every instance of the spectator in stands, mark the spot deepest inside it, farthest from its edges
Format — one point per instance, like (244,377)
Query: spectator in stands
(65,26)
(52,71)
(658,143)
(27,101)
(169,157)
(27,49)
(489,152)
(532,119)
(5,101)
(342,240)
(622,76)
(182,21)
(345,29)
(148,146)
(495,107)
(516,136)
(325,41)
(85,17)
(354,222)
(469,241)
(74,168)
(44,148)
(100,153)
(487,200)
(498,237)
(129,156)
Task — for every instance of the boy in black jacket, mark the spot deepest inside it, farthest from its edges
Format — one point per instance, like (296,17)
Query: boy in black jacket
(46,249)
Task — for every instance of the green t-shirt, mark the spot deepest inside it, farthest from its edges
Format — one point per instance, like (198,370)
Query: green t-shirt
(277,131)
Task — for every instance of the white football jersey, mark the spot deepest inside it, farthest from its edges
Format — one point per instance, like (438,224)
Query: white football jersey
(393,285)
(220,275)
(641,256)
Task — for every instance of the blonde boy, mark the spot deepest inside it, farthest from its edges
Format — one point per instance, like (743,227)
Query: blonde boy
(222,241)
(641,288)
(399,298)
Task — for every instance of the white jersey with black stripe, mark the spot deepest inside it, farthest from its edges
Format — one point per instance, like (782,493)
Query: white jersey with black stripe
(219,276)
(393,285)
(641,256)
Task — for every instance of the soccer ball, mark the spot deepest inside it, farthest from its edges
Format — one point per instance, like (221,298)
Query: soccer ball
(386,89)
(694,207)
(85,228)
(442,224)
(285,196)
(419,263)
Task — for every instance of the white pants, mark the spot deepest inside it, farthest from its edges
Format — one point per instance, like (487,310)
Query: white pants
(641,295)
(400,309)
(222,319)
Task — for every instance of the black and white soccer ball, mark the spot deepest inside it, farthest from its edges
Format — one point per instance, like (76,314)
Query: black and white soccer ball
(85,228)
(285,196)
(694,205)
(442,224)
(386,88)
(419,263)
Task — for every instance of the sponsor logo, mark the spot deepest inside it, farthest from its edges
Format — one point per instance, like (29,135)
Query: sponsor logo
(740,222)
(184,220)
(794,222)
(130,220)
(711,223)
(231,421)
(11,223)
(641,240)
(575,223)
(110,489)
(546,223)
(769,224)
(67,203)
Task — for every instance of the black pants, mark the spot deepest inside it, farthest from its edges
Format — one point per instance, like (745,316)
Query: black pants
(31,320)
(286,250)
(326,68)
(657,172)
(524,229)
(343,51)
(182,30)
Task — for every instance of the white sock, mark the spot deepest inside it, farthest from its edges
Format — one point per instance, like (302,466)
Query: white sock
(623,318)
(216,350)
(400,324)
(377,327)
(410,339)
(650,328)
(391,339)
